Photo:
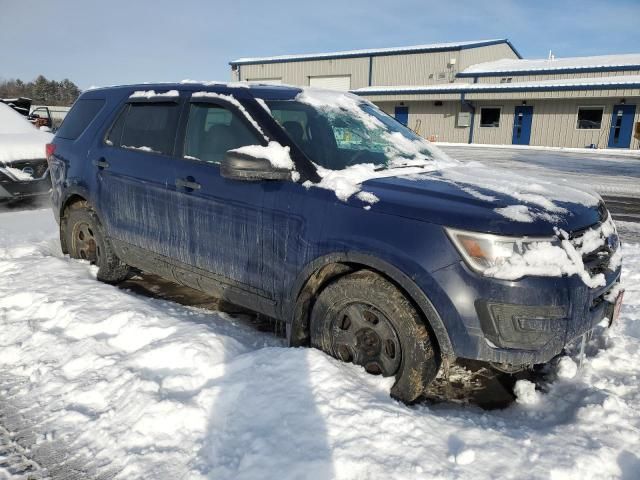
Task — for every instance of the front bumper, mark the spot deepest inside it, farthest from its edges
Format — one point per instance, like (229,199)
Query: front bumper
(522,322)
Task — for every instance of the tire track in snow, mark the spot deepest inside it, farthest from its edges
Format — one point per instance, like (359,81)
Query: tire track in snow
(29,450)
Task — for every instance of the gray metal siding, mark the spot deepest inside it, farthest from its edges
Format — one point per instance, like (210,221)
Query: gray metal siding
(298,73)
(554,122)
(490,53)
(406,69)
(435,123)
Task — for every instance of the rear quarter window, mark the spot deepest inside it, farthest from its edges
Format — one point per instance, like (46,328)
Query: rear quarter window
(79,118)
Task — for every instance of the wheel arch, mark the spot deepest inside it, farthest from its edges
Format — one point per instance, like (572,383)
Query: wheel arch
(328,268)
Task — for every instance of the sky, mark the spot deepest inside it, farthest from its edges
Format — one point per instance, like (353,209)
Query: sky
(97,43)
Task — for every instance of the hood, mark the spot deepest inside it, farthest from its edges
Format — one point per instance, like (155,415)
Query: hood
(482,199)
(19,140)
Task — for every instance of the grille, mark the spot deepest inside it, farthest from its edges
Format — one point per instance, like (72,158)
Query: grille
(597,261)
(39,166)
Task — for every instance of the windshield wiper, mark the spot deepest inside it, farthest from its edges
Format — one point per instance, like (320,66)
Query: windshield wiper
(408,165)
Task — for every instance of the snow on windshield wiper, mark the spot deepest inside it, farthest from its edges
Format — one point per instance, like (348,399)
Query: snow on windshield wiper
(393,167)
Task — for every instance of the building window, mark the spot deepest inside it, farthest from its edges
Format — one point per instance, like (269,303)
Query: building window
(490,117)
(589,118)
(442,76)
(506,79)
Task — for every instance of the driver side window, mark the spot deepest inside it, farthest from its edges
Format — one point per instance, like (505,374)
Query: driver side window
(212,130)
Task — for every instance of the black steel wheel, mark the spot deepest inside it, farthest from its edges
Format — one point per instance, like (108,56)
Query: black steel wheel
(365,319)
(362,334)
(82,236)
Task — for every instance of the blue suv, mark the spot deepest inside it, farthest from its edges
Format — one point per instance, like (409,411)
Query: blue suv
(319,210)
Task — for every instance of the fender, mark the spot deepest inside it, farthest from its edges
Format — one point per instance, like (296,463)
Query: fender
(419,298)
(71,190)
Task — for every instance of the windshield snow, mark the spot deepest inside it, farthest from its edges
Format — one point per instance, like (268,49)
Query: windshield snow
(339,130)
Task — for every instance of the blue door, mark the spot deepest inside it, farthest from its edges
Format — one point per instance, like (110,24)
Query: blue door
(522,125)
(621,126)
(402,115)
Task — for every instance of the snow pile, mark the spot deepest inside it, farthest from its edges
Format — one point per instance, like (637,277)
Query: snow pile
(155,390)
(525,392)
(560,257)
(19,139)
(278,156)
(151,94)
(567,368)
(16,173)
(231,99)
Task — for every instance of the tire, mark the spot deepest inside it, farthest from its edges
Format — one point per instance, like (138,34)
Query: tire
(83,237)
(365,319)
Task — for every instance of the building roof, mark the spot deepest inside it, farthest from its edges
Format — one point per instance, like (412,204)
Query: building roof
(508,66)
(601,83)
(434,47)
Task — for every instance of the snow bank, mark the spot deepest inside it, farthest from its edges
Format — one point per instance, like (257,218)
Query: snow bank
(155,390)
(19,139)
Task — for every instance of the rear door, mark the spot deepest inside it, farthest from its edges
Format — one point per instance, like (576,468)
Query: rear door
(134,169)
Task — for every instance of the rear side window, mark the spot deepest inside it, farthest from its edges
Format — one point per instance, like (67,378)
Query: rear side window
(149,127)
(79,118)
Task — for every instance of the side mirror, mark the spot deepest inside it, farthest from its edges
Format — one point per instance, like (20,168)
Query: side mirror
(240,166)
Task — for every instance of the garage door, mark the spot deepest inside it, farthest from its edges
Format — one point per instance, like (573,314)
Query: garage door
(342,82)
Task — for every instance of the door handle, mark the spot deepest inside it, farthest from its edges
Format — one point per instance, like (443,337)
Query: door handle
(101,164)
(187,183)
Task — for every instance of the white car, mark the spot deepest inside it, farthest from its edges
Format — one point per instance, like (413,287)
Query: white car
(23,166)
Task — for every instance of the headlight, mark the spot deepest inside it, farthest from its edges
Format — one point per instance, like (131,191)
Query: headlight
(482,251)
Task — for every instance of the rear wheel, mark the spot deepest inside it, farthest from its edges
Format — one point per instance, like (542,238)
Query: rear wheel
(84,239)
(364,319)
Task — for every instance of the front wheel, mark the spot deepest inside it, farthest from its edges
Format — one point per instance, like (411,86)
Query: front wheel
(365,319)
(84,239)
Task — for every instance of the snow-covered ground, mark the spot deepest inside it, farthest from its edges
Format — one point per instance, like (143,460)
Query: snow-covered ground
(146,388)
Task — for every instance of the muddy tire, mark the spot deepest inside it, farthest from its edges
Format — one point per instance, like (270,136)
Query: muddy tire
(82,236)
(365,319)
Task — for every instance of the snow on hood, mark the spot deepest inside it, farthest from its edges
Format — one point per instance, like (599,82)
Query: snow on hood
(19,139)
(534,198)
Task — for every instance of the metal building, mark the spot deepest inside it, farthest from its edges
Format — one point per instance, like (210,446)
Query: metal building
(479,91)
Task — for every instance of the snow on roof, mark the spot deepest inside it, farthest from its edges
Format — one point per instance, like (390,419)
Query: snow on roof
(517,66)
(628,81)
(373,51)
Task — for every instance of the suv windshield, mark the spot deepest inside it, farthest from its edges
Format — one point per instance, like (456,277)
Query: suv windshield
(337,130)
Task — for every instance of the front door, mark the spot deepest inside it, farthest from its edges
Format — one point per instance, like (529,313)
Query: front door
(401,114)
(522,125)
(621,126)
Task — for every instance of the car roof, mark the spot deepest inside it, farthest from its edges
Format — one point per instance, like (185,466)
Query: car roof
(238,89)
